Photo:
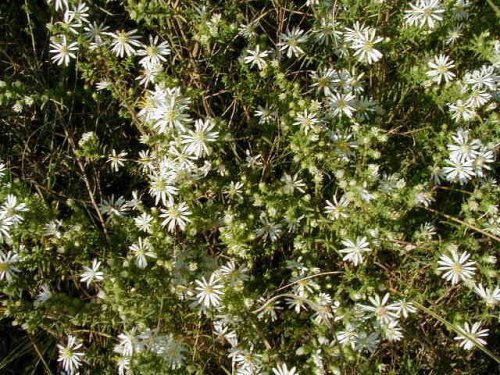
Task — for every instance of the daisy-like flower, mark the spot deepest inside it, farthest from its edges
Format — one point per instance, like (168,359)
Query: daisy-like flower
(383,313)
(354,250)
(292,183)
(337,209)
(424,13)
(440,69)
(94,33)
(92,274)
(472,334)
(141,251)
(44,295)
(11,209)
(463,147)
(63,52)
(116,160)
(196,142)
(143,222)
(456,266)
(7,265)
(58,4)
(124,42)
(265,114)
(307,120)
(364,46)
(461,111)
(209,292)
(458,170)
(161,186)
(256,57)
(483,79)
(490,296)
(291,42)
(323,81)
(71,355)
(283,370)
(77,16)
(402,308)
(392,331)
(154,53)
(176,215)
(478,98)
(341,104)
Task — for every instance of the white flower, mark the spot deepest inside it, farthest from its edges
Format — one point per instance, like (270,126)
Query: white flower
(461,111)
(456,266)
(116,160)
(143,222)
(141,251)
(59,4)
(196,142)
(63,52)
(161,186)
(209,292)
(291,40)
(92,274)
(292,183)
(7,262)
(127,344)
(283,370)
(337,208)
(424,13)
(354,250)
(176,215)
(458,170)
(392,331)
(70,356)
(477,98)
(77,16)
(307,120)
(364,48)
(323,81)
(124,42)
(341,104)
(11,209)
(490,296)
(402,308)
(154,53)
(256,57)
(440,69)
(44,295)
(475,331)
(463,147)
(383,313)
(483,79)
(94,33)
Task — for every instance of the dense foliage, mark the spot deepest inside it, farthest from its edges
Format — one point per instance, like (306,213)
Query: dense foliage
(249,187)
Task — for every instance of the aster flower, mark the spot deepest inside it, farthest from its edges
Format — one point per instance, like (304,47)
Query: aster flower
(63,52)
(209,292)
(196,142)
(456,266)
(392,331)
(256,57)
(307,120)
(424,13)
(354,250)
(474,331)
(176,215)
(337,209)
(143,222)
(161,186)
(463,147)
(124,43)
(458,170)
(383,313)
(94,33)
(440,69)
(71,355)
(340,104)
(460,111)
(92,274)
(291,40)
(7,265)
(58,4)
(11,209)
(141,251)
(116,160)
(364,46)
(491,296)
(154,53)
(283,370)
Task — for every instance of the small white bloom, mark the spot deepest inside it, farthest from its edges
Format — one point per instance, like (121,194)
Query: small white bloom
(355,249)
(283,370)
(256,57)
(70,356)
(440,69)
(209,292)
(92,274)
(475,331)
(456,266)
(141,251)
(63,52)
(176,215)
